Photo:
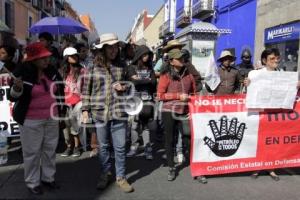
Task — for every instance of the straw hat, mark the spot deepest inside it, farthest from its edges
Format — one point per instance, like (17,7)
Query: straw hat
(173,44)
(225,54)
(107,38)
(175,54)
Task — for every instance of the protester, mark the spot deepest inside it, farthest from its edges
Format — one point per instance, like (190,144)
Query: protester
(270,59)
(86,59)
(174,87)
(47,40)
(192,69)
(101,97)
(7,54)
(34,110)
(231,79)
(143,77)
(129,53)
(161,66)
(246,65)
(73,75)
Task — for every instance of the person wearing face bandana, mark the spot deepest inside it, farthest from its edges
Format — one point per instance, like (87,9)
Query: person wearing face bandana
(246,65)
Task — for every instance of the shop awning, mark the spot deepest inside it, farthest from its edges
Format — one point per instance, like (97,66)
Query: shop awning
(202,27)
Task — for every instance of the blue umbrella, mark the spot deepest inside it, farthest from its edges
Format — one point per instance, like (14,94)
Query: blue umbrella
(58,25)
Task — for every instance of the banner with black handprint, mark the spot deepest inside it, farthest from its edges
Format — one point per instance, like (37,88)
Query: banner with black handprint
(226,137)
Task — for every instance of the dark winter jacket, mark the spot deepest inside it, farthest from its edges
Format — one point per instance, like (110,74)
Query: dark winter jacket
(244,69)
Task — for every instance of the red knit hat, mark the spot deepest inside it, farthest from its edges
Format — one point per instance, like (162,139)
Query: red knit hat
(35,51)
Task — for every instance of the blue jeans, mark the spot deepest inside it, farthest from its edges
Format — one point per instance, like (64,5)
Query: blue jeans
(116,131)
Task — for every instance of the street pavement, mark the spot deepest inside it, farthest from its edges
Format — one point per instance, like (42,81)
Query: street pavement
(78,177)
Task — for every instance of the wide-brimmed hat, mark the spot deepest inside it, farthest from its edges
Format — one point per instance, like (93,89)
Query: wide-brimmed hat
(36,51)
(175,54)
(140,51)
(173,44)
(107,38)
(226,54)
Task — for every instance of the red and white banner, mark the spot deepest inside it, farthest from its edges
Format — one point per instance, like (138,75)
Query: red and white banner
(227,138)
(7,124)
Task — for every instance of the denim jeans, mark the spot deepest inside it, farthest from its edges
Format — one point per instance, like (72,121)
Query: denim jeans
(116,131)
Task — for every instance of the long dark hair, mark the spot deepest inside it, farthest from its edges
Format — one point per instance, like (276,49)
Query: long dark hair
(148,64)
(101,60)
(32,70)
(67,67)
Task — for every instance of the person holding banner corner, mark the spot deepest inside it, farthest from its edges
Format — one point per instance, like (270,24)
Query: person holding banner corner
(270,59)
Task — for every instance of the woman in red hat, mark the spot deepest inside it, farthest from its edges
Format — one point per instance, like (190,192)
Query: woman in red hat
(38,98)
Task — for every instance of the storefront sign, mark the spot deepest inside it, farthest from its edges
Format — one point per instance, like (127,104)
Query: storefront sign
(282,33)
(226,138)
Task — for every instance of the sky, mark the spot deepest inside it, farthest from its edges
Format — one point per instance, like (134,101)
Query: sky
(115,16)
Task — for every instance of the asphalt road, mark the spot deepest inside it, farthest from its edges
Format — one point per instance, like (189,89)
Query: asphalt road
(78,177)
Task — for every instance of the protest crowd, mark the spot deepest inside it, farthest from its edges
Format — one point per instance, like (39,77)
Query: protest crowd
(119,96)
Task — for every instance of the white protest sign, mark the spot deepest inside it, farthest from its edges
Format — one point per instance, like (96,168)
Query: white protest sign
(212,77)
(7,125)
(271,89)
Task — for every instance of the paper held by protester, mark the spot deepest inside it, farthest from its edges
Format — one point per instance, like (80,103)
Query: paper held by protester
(276,89)
(212,77)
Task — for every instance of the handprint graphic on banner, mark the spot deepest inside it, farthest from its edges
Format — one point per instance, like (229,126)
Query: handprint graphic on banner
(227,139)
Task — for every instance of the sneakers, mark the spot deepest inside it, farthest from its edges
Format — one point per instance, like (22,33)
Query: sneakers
(67,152)
(202,179)
(132,152)
(124,185)
(180,158)
(76,152)
(103,181)
(148,152)
(171,174)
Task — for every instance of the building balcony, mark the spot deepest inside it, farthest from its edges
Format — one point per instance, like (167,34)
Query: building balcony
(168,27)
(202,9)
(184,17)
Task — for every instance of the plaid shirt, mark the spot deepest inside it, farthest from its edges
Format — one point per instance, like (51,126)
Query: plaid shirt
(100,98)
